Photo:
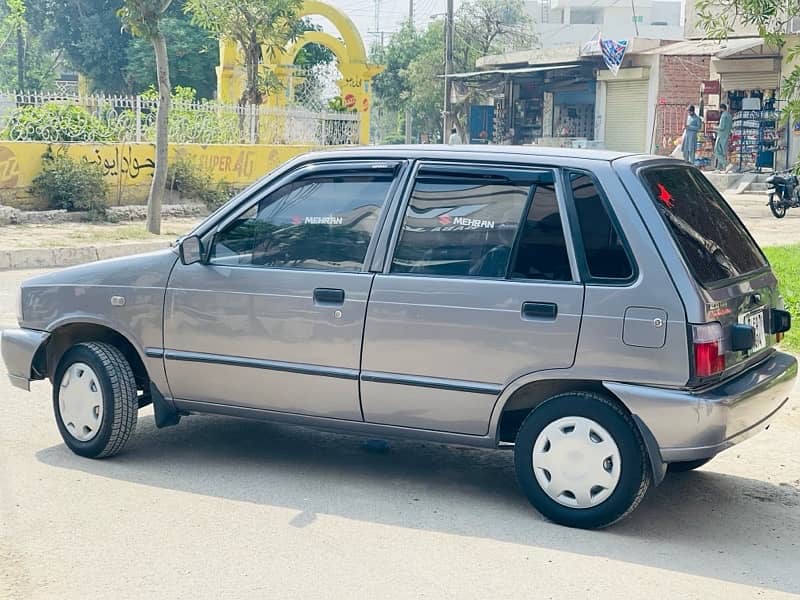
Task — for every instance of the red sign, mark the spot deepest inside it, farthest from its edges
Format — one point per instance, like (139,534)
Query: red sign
(710,87)
(350,100)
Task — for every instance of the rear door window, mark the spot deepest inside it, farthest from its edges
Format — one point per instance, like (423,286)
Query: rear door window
(484,224)
(712,239)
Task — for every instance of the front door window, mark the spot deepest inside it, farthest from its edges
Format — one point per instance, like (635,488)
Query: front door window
(318,222)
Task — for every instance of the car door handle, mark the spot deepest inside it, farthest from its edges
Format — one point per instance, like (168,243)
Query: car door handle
(329,296)
(539,311)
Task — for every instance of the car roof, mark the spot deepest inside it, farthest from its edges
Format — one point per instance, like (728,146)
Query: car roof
(474,152)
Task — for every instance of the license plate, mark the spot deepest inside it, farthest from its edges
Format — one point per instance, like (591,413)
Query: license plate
(756,320)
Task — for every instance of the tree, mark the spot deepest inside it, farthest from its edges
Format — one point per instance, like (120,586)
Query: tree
(721,18)
(143,18)
(12,19)
(254,25)
(89,33)
(192,51)
(414,58)
(26,61)
(485,27)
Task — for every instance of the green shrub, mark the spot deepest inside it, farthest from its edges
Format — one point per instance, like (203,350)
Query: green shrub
(395,138)
(186,177)
(54,122)
(71,184)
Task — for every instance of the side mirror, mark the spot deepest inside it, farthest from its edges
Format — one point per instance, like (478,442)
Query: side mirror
(191,250)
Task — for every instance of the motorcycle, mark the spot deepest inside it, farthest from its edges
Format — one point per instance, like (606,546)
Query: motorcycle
(784,193)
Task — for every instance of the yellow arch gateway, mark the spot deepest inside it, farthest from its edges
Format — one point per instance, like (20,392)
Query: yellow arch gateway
(355,86)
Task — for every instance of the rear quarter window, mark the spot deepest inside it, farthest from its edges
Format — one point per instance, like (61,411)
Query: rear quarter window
(712,239)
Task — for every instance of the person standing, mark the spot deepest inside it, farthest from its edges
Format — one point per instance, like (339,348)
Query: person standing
(455,139)
(723,136)
(693,125)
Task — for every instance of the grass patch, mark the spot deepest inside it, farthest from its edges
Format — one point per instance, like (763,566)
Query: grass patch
(785,261)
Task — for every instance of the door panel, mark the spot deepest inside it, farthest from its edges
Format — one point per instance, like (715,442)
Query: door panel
(229,313)
(469,333)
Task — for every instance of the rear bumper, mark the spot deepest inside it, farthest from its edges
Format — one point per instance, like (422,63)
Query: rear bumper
(696,425)
(19,347)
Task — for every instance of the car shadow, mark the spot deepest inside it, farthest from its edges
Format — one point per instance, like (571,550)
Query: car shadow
(708,524)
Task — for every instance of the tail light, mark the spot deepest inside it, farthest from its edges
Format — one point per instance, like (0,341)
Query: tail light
(708,350)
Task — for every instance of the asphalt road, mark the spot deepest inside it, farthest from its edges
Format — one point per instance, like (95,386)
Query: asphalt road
(225,508)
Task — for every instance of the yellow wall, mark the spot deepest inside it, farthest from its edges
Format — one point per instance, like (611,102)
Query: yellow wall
(128,168)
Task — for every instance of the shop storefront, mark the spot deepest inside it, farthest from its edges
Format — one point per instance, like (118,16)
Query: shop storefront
(548,106)
(750,87)
(569,109)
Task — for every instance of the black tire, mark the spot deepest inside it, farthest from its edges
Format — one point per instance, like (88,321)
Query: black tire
(635,473)
(120,401)
(776,206)
(689,465)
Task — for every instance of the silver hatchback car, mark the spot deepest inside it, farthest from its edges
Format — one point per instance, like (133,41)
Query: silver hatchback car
(608,316)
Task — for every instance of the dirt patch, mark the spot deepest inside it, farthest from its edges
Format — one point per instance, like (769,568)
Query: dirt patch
(88,234)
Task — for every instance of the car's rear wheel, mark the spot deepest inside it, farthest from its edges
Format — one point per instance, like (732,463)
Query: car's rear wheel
(777,206)
(689,465)
(95,399)
(581,461)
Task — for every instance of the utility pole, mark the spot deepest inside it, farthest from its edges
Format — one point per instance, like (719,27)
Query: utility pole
(448,69)
(409,116)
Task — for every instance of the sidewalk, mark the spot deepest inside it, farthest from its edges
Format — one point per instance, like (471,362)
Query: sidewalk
(66,244)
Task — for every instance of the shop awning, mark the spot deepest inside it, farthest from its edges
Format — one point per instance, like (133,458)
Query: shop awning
(517,71)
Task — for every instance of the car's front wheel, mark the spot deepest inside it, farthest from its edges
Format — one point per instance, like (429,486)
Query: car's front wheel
(581,461)
(95,399)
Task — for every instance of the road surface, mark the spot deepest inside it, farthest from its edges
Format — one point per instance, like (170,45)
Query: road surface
(225,508)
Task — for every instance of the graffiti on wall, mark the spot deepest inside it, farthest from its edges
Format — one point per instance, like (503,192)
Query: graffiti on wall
(119,161)
(242,165)
(129,167)
(9,169)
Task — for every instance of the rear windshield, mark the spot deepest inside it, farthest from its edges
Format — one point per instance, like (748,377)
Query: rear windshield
(712,239)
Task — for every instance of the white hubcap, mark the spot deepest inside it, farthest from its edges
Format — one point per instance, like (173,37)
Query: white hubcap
(576,462)
(80,402)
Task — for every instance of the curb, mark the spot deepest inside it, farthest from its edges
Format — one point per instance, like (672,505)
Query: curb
(44,258)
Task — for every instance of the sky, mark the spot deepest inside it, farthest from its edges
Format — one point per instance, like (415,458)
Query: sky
(392,14)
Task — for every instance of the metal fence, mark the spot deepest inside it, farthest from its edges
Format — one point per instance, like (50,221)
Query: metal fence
(670,123)
(55,117)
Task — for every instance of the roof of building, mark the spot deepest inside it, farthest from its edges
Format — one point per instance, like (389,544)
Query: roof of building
(716,48)
(560,55)
(514,71)
(539,56)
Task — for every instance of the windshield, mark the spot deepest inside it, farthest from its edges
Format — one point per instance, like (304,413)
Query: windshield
(711,237)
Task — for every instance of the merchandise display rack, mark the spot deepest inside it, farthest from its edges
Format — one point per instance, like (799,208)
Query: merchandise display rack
(755,139)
